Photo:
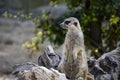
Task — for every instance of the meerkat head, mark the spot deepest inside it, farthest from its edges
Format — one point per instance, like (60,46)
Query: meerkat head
(70,23)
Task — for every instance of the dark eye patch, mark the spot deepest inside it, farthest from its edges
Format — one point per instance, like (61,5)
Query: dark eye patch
(75,23)
(67,22)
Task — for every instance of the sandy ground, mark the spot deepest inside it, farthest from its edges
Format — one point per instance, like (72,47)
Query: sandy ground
(12,35)
(7,77)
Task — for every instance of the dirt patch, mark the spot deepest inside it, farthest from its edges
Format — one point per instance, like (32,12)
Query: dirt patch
(7,77)
(13,33)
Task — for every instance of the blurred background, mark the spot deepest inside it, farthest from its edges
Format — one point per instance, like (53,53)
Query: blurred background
(28,26)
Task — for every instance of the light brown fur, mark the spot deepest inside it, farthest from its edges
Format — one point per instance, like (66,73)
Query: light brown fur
(74,60)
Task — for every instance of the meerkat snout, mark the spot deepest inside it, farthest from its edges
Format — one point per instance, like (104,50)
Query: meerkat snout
(70,23)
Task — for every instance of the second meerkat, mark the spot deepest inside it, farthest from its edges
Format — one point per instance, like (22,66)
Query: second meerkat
(74,60)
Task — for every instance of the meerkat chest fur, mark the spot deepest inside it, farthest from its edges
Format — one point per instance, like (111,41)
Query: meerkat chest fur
(74,53)
(74,38)
(74,42)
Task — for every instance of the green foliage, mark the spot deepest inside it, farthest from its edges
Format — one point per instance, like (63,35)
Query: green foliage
(100,22)
(114,20)
(17,16)
(34,44)
(91,14)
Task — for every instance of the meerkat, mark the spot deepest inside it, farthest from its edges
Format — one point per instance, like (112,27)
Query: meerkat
(74,60)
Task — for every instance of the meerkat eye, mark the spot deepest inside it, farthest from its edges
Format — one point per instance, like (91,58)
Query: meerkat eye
(67,22)
(75,23)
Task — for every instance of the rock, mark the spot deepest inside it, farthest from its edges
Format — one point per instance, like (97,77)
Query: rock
(31,71)
(107,67)
(49,58)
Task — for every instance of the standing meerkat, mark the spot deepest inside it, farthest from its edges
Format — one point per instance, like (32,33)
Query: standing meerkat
(74,60)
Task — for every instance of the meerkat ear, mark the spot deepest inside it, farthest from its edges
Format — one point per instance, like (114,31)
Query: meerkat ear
(75,23)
